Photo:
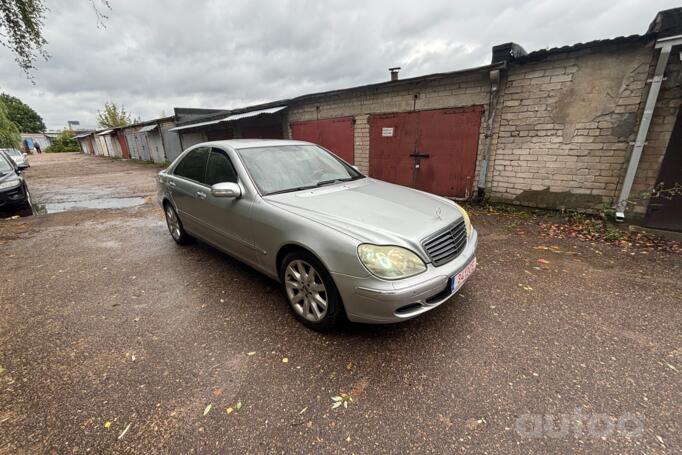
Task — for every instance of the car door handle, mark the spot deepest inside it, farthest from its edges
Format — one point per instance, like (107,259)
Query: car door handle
(171,183)
(201,195)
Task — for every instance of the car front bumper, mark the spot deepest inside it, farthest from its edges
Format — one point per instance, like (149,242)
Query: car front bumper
(373,300)
(13,198)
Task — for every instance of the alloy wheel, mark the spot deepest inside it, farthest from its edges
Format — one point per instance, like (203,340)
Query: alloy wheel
(305,290)
(173,223)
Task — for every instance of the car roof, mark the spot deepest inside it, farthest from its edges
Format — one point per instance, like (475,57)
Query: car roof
(253,143)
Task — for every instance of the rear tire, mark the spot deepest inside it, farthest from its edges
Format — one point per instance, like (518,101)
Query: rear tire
(175,226)
(310,291)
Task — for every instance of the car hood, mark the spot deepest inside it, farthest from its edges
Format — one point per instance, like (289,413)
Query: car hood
(373,211)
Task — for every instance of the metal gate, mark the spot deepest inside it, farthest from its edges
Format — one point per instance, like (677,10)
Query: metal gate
(334,134)
(433,150)
(665,212)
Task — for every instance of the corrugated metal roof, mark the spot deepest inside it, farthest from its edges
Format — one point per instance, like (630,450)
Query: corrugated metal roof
(105,132)
(144,129)
(256,113)
(621,40)
(196,125)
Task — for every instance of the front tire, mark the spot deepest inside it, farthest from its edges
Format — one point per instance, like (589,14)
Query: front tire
(310,291)
(175,226)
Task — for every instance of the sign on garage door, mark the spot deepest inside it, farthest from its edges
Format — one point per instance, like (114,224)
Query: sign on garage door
(433,151)
(334,134)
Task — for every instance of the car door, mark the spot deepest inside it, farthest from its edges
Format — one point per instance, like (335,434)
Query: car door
(227,220)
(186,186)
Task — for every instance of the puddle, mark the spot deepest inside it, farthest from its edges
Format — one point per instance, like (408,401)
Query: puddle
(100,203)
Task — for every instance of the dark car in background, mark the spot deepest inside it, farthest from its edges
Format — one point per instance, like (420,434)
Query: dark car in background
(14,195)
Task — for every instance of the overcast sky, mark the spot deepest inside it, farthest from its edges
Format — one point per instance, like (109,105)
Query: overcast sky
(157,54)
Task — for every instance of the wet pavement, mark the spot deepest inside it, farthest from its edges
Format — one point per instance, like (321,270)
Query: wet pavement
(115,340)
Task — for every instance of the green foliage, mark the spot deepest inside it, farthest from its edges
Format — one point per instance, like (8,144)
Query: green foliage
(9,133)
(21,30)
(64,143)
(26,119)
(113,116)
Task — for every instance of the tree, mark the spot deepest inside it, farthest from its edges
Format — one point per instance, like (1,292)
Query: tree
(21,29)
(26,119)
(113,116)
(9,133)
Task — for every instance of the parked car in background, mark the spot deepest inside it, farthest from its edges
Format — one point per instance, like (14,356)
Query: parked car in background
(14,195)
(338,241)
(19,158)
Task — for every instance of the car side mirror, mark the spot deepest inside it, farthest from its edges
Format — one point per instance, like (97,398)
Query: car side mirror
(25,154)
(227,190)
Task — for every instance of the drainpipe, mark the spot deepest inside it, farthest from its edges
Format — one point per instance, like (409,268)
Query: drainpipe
(492,106)
(665,45)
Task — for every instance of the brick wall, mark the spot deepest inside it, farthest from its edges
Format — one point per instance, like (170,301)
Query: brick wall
(564,126)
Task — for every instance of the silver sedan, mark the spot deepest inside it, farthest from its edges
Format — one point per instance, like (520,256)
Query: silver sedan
(20,159)
(340,243)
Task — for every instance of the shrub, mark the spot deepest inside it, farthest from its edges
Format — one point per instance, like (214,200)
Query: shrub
(64,143)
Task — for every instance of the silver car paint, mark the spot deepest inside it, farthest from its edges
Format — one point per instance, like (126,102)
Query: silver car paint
(330,222)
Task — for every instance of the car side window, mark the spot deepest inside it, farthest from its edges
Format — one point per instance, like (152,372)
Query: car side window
(220,168)
(193,165)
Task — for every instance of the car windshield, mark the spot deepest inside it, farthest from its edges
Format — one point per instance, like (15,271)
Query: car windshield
(12,152)
(285,168)
(5,166)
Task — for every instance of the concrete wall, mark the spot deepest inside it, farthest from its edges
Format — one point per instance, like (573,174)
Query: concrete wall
(564,126)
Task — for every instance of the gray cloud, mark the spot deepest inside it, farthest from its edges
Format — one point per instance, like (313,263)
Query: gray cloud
(156,54)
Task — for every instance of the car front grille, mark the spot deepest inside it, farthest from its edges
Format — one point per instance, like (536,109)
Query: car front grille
(444,246)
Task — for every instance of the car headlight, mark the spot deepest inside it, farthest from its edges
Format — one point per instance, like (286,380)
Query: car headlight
(467,220)
(390,262)
(10,184)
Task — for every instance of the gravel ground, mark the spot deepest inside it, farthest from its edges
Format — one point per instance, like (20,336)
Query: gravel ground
(113,339)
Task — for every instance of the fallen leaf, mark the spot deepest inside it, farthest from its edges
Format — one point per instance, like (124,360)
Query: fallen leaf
(303,410)
(217,391)
(348,438)
(229,410)
(107,424)
(251,353)
(207,409)
(359,387)
(342,399)
(672,367)
(526,287)
(543,261)
(2,370)
(349,366)
(285,360)
(123,433)
(473,424)
(239,405)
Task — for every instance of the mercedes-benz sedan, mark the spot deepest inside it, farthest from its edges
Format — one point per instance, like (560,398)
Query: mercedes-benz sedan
(340,243)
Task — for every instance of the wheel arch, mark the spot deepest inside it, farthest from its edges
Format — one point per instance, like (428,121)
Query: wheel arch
(290,247)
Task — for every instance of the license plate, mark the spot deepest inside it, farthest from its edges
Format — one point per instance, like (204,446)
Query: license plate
(459,279)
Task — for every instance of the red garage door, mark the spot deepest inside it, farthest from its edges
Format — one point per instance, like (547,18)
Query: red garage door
(433,151)
(334,134)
